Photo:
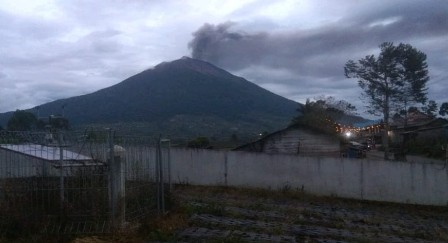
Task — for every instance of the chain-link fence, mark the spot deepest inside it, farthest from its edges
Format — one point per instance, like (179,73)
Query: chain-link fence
(80,183)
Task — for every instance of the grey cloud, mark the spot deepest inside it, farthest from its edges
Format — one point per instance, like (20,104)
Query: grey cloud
(100,42)
(316,56)
(111,13)
(13,27)
(90,45)
(52,69)
(235,49)
(302,53)
(79,48)
(80,54)
(212,37)
(107,33)
(420,17)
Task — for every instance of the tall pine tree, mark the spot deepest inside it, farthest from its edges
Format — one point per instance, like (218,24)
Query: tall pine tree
(391,82)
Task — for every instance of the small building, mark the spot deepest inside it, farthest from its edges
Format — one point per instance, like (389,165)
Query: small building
(426,130)
(31,160)
(296,140)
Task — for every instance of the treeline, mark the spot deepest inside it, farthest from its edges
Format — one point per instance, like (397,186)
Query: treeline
(27,121)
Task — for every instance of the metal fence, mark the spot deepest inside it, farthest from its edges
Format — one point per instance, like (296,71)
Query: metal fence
(80,183)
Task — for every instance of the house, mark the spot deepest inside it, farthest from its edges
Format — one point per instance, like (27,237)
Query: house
(423,130)
(413,118)
(296,140)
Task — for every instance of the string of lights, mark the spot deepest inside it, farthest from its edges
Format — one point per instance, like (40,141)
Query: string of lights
(347,129)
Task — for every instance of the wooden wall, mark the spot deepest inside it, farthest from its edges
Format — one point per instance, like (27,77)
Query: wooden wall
(296,141)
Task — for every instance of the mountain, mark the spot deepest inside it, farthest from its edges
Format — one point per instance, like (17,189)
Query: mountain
(182,98)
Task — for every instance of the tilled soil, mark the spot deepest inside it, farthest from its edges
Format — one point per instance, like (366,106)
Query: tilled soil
(219,214)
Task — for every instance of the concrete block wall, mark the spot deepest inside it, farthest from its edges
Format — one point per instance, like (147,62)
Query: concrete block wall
(198,166)
(403,182)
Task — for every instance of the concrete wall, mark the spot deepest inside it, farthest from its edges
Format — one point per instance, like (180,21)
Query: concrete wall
(416,183)
(198,166)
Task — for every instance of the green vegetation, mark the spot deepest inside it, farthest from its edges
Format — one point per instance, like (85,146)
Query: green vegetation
(25,121)
(57,122)
(432,148)
(443,111)
(393,81)
(22,121)
(430,109)
(199,142)
(324,113)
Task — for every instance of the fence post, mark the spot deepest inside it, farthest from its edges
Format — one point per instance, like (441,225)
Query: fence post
(169,167)
(61,178)
(226,169)
(157,179)
(117,180)
(160,179)
(167,155)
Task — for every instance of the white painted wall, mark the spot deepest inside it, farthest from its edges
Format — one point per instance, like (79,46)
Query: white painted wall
(404,182)
(198,166)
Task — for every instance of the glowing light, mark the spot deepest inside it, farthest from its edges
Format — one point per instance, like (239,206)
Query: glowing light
(348,134)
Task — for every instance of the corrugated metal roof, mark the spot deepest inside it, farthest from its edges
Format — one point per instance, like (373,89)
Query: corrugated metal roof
(45,152)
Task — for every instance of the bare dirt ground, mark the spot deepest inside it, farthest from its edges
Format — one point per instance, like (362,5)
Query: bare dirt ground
(248,215)
(219,214)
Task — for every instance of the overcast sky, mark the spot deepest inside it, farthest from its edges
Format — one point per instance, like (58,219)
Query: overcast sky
(297,49)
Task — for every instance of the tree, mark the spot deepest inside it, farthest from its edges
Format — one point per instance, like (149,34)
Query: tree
(341,105)
(443,111)
(413,75)
(430,109)
(199,142)
(412,109)
(234,138)
(392,81)
(22,121)
(59,122)
(323,113)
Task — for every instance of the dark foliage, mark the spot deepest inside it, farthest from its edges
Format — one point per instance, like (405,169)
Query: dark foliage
(428,147)
(199,142)
(430,109)
(59,123)
(393,81)
(318,116)
(22,121)
(443,111)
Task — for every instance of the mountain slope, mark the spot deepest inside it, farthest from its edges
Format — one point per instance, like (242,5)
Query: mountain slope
(187,96)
